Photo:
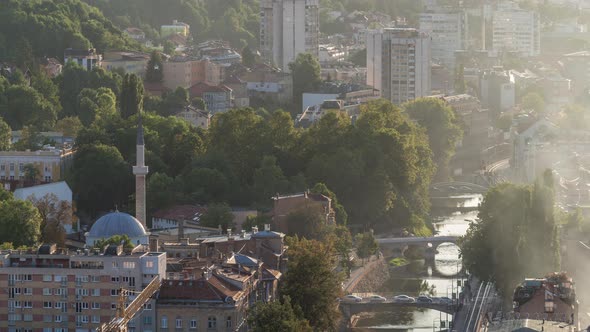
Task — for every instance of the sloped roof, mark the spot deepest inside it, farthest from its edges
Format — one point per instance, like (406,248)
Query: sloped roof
(203,289)
(181,212)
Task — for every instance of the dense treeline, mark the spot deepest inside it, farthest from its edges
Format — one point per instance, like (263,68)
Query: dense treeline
(517,235)
(37,28)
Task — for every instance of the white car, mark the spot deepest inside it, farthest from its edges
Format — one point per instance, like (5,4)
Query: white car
(351,298)
(404,299)
(377,298)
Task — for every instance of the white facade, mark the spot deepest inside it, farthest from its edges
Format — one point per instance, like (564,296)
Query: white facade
(516,30)
(448,30)
(288,28)
(398,64)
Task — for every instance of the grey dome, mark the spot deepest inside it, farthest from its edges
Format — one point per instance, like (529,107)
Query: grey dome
(116,223)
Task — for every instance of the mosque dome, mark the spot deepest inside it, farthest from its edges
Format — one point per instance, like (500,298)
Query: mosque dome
(116,223)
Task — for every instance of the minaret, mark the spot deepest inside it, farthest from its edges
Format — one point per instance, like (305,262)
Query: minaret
(140,170)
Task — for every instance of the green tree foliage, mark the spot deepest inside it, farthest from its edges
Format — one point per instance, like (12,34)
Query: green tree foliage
(359,57)
(169,48)
(116,240)
(306,75)
(218,215)
(441,124)
(341,215)
(199,103)
(459,82)
(95,169)
(131,96)
(312,284)
(504,122)
(20,221)
(5,135)
(69,126)
(516,235)
(277,316)
(268,180)
(54,215)
(307,222)
(366,245)
(258,221)
(533,101)
(174,102)
(23,105)
(155,69)
(248,57)
(46,28)
(161,192)
(32,173)
(30,139)
(96,104)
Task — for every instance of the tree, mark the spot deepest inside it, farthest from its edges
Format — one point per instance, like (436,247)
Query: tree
(93,104)
(268,180)
(95,169)
(30,139)
(19,222)
(258,221)
(359,57)
(366,245)
(218,215)
(169,48)
(307,222)
(504,122)
(312,284)
(5,135)
(199,103)
(155,69)
(533,101)
(277,316)
(131,96)
(25,106)
(54,215)
(441,124)
(32,173)
(248,58)
(161,191)
(341,215)
(306,75)
(69,126)
(116,240)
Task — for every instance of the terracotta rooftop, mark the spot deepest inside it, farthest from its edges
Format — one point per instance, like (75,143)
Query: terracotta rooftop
(203,289)
(181,212)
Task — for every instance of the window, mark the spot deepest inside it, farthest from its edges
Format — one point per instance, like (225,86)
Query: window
(27,304)
(21,167)
(164,322)
(28,291)
(95,319)
(96,292)
(11,166)
(46,291)
(147,306)
(28,317)
(46,304)
(128,265)
(149,264)
(114,279)
(193,324)
(115,292)
(2,167)
(178,322)
(147,320)
(211,322)
(95,278)
(228,321)
(47,277)
(47,318)
(58,319)
(95,305)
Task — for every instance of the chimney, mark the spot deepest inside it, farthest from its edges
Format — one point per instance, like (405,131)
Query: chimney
(267,227)
(154,245)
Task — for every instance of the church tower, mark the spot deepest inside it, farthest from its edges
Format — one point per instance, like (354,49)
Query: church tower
(140,170)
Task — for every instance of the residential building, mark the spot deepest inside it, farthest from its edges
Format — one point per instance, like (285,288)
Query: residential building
(274,85)
(186,72)
(87,59)
(130,62)
(330,53)
(218,98)
(553,296)
(57,138)
(344,73)
(516,30)
(576,66)
(288,28)
(176,28)
(284,205)
(51,66)
(50,163)
(398,63)
(448,30)
(497,91)
(170,218)
(135,33)
(239,91)
(54,289)
(196,117)
(60,189)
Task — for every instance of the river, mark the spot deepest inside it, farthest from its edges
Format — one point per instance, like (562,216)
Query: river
(446,222)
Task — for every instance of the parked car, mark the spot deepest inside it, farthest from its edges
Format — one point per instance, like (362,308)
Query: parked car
(404,299)
(351,298)
(424,299)
(377,298)
(444,300)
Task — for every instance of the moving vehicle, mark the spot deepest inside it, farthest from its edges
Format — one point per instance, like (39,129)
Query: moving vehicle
(377,298)
(424,299)
(351,298)
(404,299)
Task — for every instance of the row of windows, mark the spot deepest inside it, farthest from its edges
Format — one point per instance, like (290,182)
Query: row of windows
(211,322)
(21,167)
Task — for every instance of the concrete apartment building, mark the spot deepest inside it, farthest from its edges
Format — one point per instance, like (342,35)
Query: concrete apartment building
(186,72)
(398,63)
(51,164)
(56,290)
(516,30)
(287,28)
(448,30)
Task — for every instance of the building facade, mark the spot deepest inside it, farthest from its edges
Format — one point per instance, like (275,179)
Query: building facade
(398,63)
(55,290)
(88,59)
(130,62)
(287,28)
(51,164)
(448,30)
(218,98)
(516,30)
(197,118)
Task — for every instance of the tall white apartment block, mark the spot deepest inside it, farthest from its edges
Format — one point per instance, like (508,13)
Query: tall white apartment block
(398,63)
(516,30)
(288,28)
(448,30)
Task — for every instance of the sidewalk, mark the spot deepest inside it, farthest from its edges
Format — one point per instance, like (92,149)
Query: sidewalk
(357,274)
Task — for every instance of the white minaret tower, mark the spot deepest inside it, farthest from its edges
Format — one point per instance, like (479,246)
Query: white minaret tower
(140,170)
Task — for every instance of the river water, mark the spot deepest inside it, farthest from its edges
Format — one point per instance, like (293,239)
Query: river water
(447,220)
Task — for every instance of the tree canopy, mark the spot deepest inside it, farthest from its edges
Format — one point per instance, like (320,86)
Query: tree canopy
(20,221)
(306,75)
(277,316)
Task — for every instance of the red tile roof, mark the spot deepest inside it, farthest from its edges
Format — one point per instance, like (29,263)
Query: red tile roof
(202,289)
(198,89)
(181,212)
